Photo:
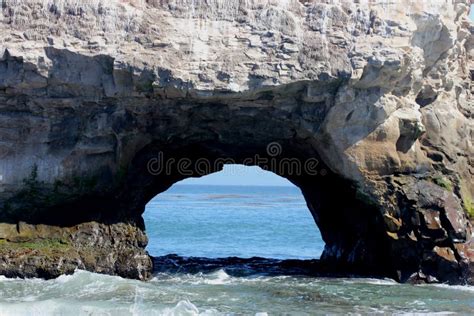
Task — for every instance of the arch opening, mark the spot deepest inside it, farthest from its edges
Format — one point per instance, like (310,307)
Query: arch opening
(112,228)
(352,228)
(240,212)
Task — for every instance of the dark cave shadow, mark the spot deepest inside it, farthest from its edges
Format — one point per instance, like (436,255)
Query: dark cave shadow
(139,186)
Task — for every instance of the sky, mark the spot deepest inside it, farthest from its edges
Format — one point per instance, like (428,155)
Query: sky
(243,175)
(240,175)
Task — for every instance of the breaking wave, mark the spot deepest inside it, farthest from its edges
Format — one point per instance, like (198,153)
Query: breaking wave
(221,292)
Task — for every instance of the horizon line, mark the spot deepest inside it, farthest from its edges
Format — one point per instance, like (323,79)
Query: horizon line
(234,185)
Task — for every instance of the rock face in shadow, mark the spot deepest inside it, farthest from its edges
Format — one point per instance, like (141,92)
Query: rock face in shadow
(367,108)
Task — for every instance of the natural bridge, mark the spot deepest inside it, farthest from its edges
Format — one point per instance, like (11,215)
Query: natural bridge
(366,106)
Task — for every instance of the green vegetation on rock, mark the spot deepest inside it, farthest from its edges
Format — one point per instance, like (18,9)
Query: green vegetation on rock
(37,196)
(42,244)
(469,207)
(444,182)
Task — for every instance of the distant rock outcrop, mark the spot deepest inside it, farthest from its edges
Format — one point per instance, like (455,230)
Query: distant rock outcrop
(369,103)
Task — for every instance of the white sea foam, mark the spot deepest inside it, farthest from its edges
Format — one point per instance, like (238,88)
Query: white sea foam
(218,277)
(182,308)
(218,293)
(5,279)
(69,277)
(371,281)
(185,308)
(466,288)
(424,313)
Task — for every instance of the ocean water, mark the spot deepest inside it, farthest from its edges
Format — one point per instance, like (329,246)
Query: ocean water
(223,221)
(218,222)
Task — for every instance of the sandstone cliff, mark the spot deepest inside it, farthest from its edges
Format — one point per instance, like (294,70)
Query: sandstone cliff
(378,92)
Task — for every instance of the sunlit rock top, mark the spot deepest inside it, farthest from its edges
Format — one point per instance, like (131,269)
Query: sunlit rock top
(233,45)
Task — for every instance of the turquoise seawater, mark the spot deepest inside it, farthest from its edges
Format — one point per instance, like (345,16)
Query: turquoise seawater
(224,221)
(212,222)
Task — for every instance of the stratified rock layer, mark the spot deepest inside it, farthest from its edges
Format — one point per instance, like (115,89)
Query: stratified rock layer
(96,97)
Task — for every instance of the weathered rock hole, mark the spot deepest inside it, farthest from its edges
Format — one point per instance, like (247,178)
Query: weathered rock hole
(238,212)
(350,225)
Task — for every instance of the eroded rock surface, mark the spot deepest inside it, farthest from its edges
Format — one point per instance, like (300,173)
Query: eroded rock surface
(379,94)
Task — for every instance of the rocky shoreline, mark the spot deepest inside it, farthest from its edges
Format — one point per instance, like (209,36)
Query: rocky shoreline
(246,267)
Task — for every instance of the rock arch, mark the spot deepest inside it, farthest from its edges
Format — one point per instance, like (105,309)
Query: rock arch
(85,119)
